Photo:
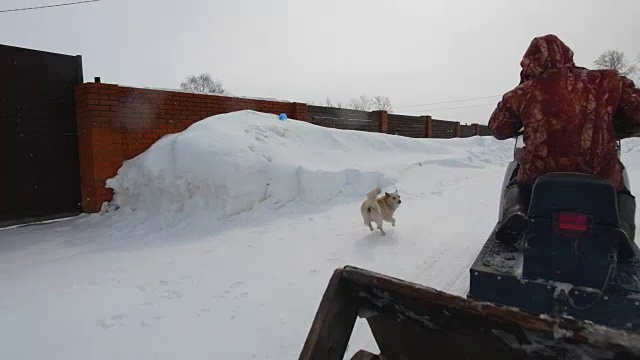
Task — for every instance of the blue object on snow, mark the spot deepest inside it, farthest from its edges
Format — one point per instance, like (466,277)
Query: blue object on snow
(283,116)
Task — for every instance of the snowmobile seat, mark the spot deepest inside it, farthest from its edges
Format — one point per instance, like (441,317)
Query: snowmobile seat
(567,190)
(571,237)
(568,263)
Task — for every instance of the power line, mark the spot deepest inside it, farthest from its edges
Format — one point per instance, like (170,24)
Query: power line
(50,6)
(447,102)
(460,107)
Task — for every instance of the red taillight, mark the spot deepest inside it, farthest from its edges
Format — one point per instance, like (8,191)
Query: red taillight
(573,221)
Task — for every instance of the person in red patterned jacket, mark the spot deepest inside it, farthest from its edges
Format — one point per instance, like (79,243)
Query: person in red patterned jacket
(566,113)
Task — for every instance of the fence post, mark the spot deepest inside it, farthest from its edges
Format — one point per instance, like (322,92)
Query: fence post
(383,117)
(428,126)
(457,129)
(99,140)
(476,129)
(299,111)
(80,72)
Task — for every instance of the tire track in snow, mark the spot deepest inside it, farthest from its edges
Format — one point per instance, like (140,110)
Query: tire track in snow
(461,279)
(446,267)
(437,272)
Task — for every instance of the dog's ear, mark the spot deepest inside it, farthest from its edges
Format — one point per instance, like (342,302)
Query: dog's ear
(386,193)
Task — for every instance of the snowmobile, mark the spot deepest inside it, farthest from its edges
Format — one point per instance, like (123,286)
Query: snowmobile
(567,262)
(561,292)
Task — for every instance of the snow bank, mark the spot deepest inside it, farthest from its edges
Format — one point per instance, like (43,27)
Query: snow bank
(231,163)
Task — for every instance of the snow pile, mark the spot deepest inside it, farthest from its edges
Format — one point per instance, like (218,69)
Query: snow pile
(231,163)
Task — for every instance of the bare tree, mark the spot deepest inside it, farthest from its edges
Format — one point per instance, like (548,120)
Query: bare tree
(382,103)
(362,102)
(203,83)
(615,59)
(329,103)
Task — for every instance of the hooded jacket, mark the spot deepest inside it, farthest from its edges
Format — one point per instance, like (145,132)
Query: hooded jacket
(567,114)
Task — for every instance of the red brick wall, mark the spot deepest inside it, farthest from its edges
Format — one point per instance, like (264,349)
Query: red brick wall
(117,123)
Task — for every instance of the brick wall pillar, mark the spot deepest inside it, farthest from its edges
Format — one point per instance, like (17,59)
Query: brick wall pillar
(99,141)
(476,129)
(299,111)
(457,129)
(428,126)
(383,116)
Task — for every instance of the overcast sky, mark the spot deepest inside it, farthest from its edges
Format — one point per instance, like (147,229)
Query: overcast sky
(414,51)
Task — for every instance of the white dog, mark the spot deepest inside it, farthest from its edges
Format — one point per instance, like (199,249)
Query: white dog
(375,209)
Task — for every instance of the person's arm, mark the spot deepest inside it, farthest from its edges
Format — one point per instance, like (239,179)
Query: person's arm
(626,118)
(628,110)
(505,120)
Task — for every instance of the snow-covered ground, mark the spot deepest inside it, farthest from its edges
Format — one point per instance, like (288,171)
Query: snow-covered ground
(221,240)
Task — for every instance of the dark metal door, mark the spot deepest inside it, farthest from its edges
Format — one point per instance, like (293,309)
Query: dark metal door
(39,169)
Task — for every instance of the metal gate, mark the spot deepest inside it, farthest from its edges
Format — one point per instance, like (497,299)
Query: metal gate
(39,168)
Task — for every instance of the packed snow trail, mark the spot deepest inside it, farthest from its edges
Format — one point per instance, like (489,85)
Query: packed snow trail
(250,292)
(184,271)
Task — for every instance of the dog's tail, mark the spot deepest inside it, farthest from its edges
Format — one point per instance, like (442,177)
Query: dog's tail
(370,203)
(373,194)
